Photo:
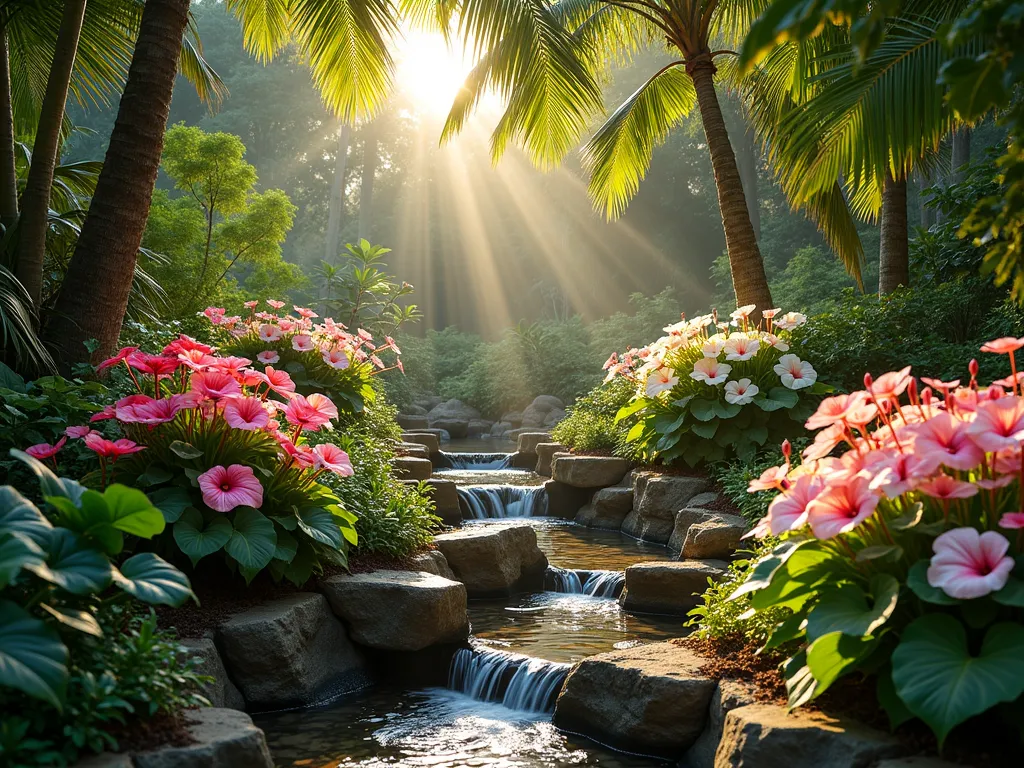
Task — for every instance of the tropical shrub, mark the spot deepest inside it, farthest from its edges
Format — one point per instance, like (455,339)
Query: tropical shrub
(58,587)
(221,448)
(322,357)
(690,404)
(589,424)
(903,556)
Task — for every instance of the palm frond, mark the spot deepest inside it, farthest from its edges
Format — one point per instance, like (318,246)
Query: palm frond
(194,68)
(619,154)
(831,214)
(265,25)
(20,343)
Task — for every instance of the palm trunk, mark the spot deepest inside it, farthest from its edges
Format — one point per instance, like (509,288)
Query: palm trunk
(961,152)
(35,204)
(748,277)
(8,164)
(366,181)
(99,277)
(894,253)
(337,205)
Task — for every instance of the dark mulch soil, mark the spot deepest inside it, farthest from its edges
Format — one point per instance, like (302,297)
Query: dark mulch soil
(162,730)
(221,595)
(979,743)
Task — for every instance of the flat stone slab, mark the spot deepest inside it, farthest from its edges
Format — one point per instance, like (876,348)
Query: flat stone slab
(589,471)
(546,453)
(399,610)
(221,691)
(290,651)
(411,421)
(650,699)
(415,450)
(657,499)
(432,561)
(766,736)
(411,468)
(528,441)
(607,509)
(224,738)
(495,559)
(428,440)
(671,587)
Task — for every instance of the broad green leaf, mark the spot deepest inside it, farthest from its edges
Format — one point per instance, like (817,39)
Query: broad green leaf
(153,580)
(184,450)
(32,657)
(92,518)
(797,580)
(344,514)
(758,434)
(1012,593)
(628,410)
(286,547)
(669,422)
(75,566)
(133,512)
(19,515)
(801,686)
(49,483)
(198,535)
(302,565)
(768,404)
(635,432)
(889,552)
(833,655)
(845,609)
(724,410)
(787,397)
(943,683)
(891,703)
(907,521)
(18,551)
(702,410)
(917,580)
(790,629)
(320,525)
(155,474)
(171,502)
(705,429)
(83,621)
(764,570)
(254,540)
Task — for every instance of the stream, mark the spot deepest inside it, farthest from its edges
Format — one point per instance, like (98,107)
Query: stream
(496,709)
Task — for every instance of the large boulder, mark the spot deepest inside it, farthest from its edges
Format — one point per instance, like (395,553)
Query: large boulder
(415,410)
(589,471)
(670,587)
(566,501)
(291,651)
(500,428)
(456,428)
(607,509)
(695,511)
(428,440)
(221,738)
(650,699)
(412,421)
(453,410)
(479,427)
(546,453)
(432,561)
(716,537)
(656,500)
(528,441)
(412,468)
(495,559)
(399,610)
(728,695)
(515,418)
(428,402)
(220,690)
(536,414)
(767,736)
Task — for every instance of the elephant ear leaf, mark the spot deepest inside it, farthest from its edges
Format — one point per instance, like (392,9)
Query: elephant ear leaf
(153,580)
(32,657)
(49,483)
(133,512)
(19,515)
(75,566)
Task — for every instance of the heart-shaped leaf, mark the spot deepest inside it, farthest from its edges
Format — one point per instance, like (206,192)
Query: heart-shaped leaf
(91,518)
(75,566)
(171,502)
(133,512)
(787,397)
(763,572)
(253,541)
(49,483)
(703,410)
(19,515)
(32,657)
(833,655)
(320,525)
(200,535)
(18,551)
(153,580)
(706,429)
(917,580)
(942,683)
(83,621)
(845,609)
(184,450)
(286,547)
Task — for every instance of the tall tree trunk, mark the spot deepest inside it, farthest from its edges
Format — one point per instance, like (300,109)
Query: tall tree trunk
(8,164)
(746,159)
(748,277)
(100,275)
(35,204)
(894,253)
(336,207)
(961,152)
(366,181)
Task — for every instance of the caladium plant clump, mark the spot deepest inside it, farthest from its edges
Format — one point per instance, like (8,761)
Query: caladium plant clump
(902,546)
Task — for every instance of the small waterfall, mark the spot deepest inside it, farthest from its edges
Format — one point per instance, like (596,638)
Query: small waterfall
(489,501)
(594,583)
(518,682)
(476,460)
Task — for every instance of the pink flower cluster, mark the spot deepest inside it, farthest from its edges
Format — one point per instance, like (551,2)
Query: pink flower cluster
(336,346)
(196,393)
(956,449)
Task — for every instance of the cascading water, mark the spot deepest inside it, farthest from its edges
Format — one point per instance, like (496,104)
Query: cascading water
(517,682)
(594,583)
(476,460)
(482,502)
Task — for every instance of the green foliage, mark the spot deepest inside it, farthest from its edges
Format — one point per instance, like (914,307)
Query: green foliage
(395,519)
(734,477)
(934,328)
(589,424)
(131,673)
(221,232)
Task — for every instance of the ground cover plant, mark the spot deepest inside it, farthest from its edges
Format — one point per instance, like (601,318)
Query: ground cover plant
(902,556)
(703,394)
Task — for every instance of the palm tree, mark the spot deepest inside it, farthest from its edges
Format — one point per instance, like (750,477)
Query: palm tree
(546,60)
